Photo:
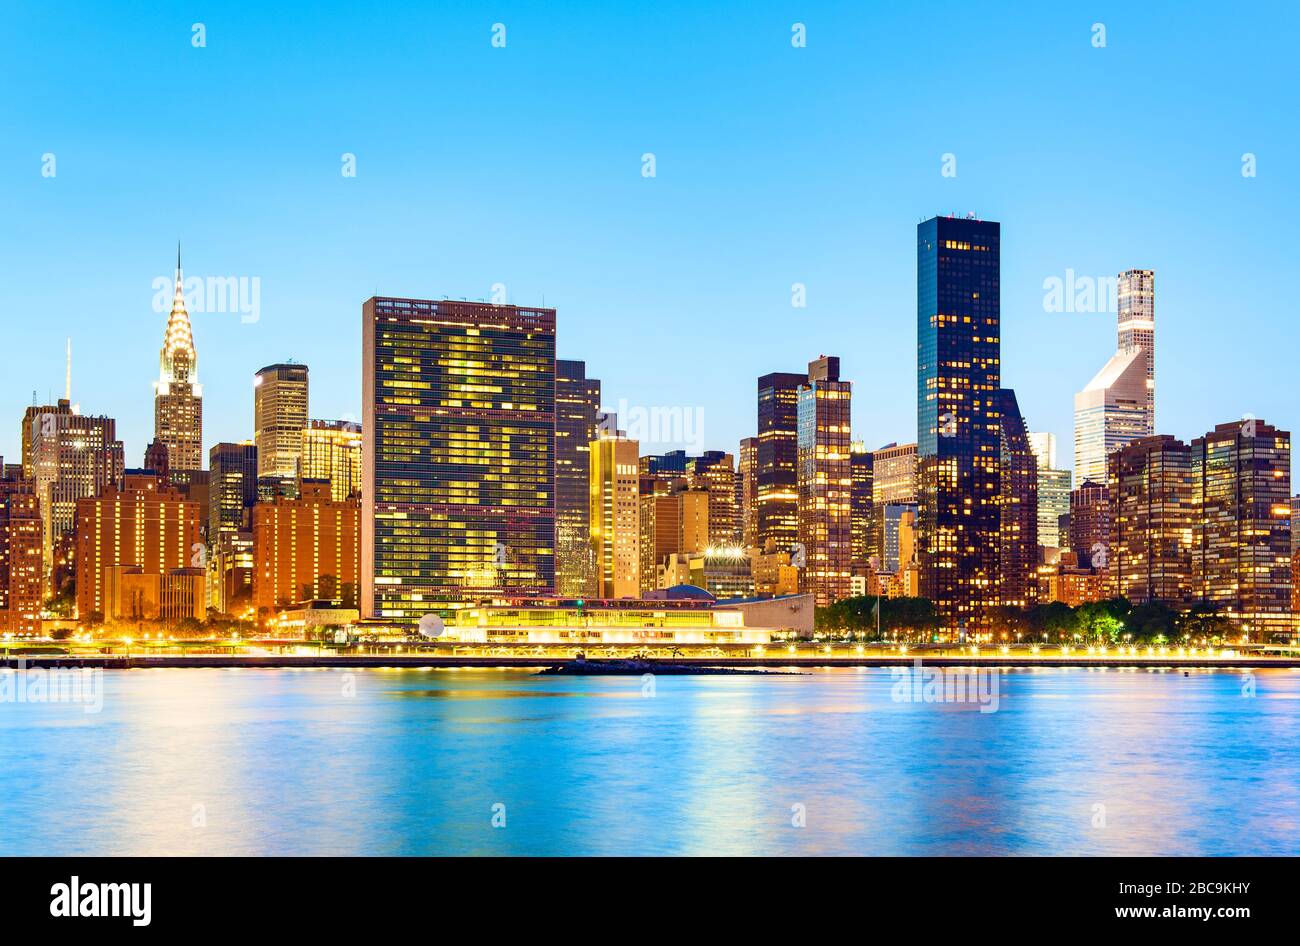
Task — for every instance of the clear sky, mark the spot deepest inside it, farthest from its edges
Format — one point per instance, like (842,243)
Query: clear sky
(522,165)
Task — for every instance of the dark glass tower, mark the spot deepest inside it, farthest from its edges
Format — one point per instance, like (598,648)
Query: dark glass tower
(958,443)
(458,454)
(1017,507)
(577,404)
(777,473)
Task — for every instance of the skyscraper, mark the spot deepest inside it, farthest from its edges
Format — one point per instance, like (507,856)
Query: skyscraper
(958,443)
(825,482)
(747,490)
(577,404)
(279,416)
(458,428)
(1152,514)
(776,475)
(331,450)
(73,456)
(615,514)
(715,473)
(860,465)
(232,483)
(1118,405)
(306,548)
(128,540)
(1053,490)
(1241,557)
(1089,529)
(21,579)
(178,396)
(1017,506)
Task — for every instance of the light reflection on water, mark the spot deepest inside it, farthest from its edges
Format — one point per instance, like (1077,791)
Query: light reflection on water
(284,762)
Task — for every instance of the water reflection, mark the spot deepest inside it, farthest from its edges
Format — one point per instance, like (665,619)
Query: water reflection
(1082,761)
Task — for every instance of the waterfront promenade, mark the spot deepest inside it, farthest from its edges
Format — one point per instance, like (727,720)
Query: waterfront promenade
(775,657)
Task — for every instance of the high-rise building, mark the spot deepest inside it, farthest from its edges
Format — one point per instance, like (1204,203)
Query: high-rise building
(674,520)
(825,482)
(577,404)
(178,396)
(232,483)
(1089,524)
(279,416)
(1053,490)
(128,540)
(72,456)
(21,547)
(1152,515)
(776,474)
(307,548)
(860,498)
(615,515)
(331,450)
(747,491)
(458,483)
(1118,405)
(958,449)
(1241,557)
(1017,506)
(714,472)
(893,474)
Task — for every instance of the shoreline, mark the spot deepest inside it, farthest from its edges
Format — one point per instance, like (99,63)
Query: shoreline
(399,661)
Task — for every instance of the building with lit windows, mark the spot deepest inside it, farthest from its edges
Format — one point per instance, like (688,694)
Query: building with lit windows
(1118,405)
(1054,487)
(458,432)
(1241,551)
(306,548)
(143,528)
(279,416)
(331,450)
(860,465)
(178,396)
(577,406)
(674,521)
(958,449)
(1017,506)
(747,490)
(21,547)
(825,482)
(776,476)
(232,489)
(1152,518)
(615,515)
(714,472)
(73,456)
(1089,526)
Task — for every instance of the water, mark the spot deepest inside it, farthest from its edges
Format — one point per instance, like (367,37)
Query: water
(324,762)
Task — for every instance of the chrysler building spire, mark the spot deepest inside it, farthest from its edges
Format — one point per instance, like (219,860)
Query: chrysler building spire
(178,397)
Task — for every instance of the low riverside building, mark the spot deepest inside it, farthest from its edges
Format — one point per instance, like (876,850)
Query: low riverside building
(695,619)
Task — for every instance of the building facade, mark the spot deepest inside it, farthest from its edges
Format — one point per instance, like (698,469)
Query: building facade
(615,525)
(1118,405)
(143,525)
(73,456)
(178,396)
(776,474)
(577,404)
(331,450)
(1017,506)
(825,483)
(280,402)
(458,428)
(958,445)
(307,548)
(1241,556)
(21,549)
(1152,517)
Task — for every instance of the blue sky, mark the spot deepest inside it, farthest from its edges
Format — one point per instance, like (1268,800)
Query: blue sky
(522,165)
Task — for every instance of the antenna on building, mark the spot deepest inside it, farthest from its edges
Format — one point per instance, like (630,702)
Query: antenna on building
(67,380)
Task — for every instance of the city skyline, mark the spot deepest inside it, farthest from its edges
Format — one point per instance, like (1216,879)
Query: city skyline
(1221,276)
